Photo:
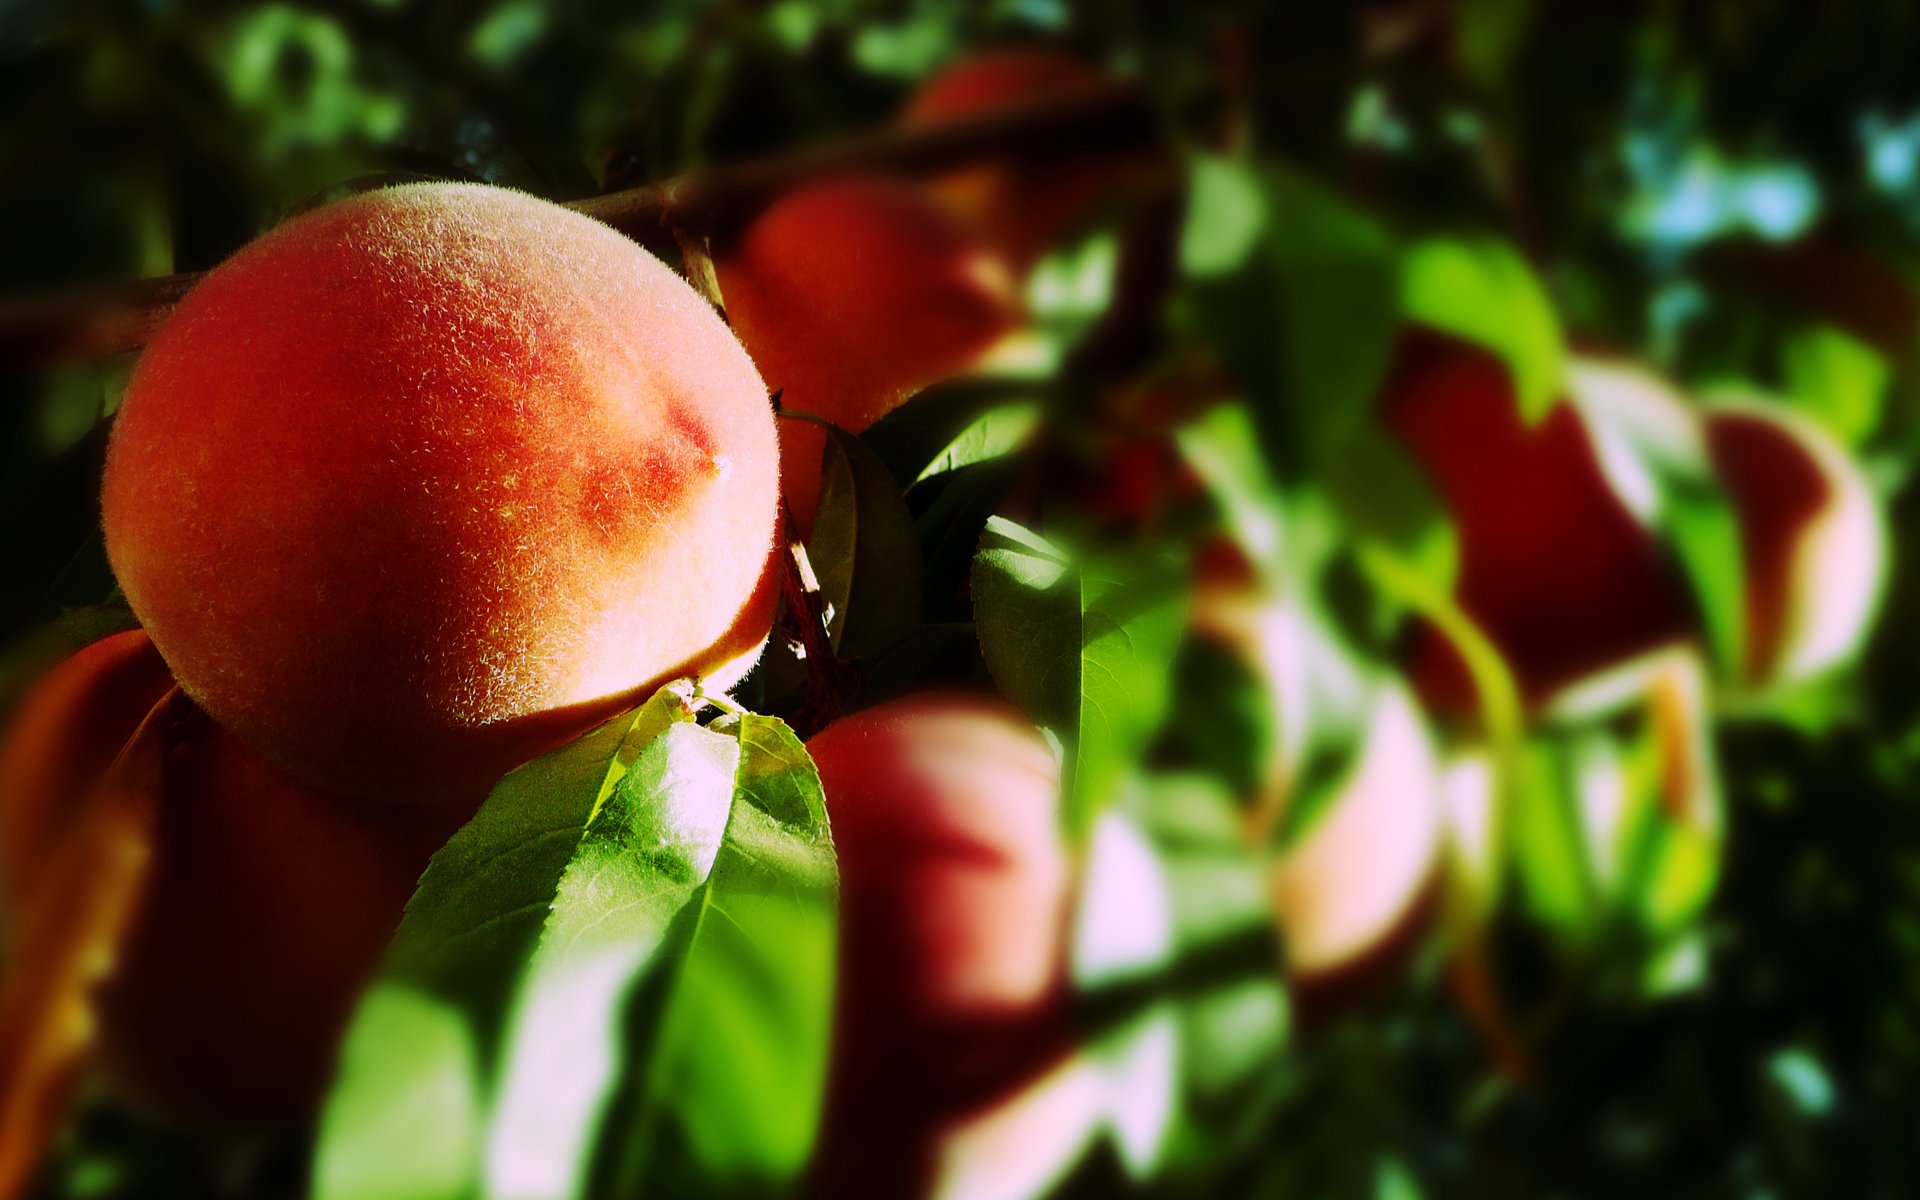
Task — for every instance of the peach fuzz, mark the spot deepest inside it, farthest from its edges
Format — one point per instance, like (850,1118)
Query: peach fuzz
(426,482)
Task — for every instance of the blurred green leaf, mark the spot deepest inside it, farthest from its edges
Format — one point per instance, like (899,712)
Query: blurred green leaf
(1384,496)
(1489,33)
(1549,843)
(1307,320)
(1223,450)
(863,547)
(1704,531)
(405,1121)
(1226,214)
(1482,290)
(1085,647)
(1838,380)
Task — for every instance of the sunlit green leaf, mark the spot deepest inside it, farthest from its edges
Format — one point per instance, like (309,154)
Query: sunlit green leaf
(1085,647)
(1482,290)
(728,1036)
(1838,380)
(617,914)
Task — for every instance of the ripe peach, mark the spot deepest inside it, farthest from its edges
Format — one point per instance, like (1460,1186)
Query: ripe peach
(267,906)
(852,295)
(1355,886)
(1812,538)
(1021,208)
(1554,565)
(954,899)
(427,481)
(1352,894)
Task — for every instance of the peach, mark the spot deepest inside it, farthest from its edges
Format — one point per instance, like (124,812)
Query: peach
(1555,566)
(1356,882)
(955,888)
(851,296)
(428,481)
(1021,208)
(1812,538)
(266,909)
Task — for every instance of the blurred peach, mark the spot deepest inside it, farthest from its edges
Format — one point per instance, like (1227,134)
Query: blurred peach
(850,296)
(1812,536)
(1556,566)
(952,995)
(1021,208)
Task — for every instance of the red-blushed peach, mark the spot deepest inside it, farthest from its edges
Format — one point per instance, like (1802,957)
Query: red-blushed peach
(852,295)
(1022,208)
(1354,891)
(1555,567)
(1813,539)
(1362,870)
(266,907)
(955,893)
(426,482)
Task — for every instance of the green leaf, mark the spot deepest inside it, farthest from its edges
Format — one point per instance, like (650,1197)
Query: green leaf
(1838,380)
(1306,322)
(1226,214)
(405,1122)
(433,1026)
(1704,531)
(729,1036)
(950,526)
(1224,451)
(1085,647)
(1482,290)
(1549,843)
(1384,496)
(584,898)
(923,431)
(993,434)
(863,547)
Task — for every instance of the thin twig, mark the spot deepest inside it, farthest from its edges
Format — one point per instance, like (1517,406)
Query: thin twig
(90,323)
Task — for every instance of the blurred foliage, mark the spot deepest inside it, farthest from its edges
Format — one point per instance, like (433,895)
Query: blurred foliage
(1711,995)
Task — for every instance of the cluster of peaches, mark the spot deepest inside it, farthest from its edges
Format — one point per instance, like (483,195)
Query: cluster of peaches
(1569,573)
(426,483)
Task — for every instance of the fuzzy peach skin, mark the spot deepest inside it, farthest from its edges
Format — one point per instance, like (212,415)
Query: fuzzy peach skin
(267,906)
(1021,208)
(428,481)
(955,888)
(851,296)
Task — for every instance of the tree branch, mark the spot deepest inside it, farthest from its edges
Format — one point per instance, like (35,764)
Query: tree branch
(36,330)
